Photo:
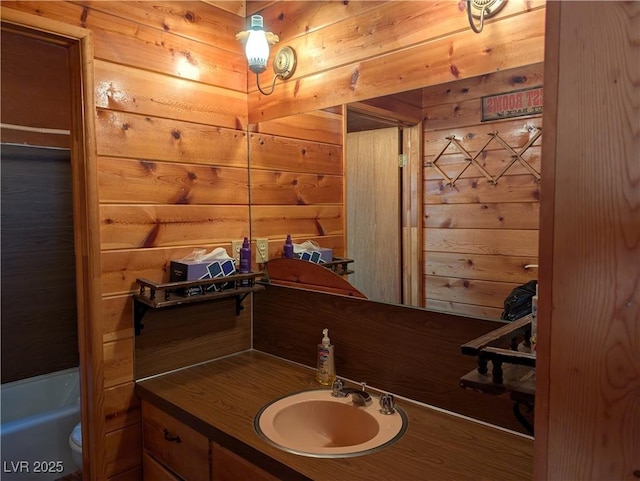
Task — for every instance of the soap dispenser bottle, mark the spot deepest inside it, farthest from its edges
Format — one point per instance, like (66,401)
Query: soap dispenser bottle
(288,248)
(326,372)
(245,257)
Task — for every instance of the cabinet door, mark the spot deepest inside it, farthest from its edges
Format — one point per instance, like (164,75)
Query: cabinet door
(228,466)
(178,447)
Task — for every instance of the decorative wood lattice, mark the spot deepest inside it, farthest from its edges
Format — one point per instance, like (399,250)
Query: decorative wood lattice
(472,160)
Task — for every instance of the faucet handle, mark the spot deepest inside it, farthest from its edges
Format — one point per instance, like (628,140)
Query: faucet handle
(336,386)
(387,403)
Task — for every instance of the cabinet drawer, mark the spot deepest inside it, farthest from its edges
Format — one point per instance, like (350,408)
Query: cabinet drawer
(228,466)
(152,470)
(180,448)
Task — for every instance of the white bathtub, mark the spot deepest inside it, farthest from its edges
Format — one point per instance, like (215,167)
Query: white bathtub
(37,417)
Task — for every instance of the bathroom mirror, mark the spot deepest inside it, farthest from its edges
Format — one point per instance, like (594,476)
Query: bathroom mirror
(462,211)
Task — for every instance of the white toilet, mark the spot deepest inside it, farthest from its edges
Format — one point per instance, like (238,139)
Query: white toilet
(75,443)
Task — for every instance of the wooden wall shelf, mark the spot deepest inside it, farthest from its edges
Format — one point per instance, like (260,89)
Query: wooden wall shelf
(161,295)
(340,266)
(503,370)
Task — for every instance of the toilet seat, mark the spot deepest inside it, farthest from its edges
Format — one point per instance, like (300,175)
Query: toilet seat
(75,443)
(75,439)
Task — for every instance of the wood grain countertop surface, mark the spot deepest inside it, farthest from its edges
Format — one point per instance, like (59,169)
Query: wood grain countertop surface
(221,398)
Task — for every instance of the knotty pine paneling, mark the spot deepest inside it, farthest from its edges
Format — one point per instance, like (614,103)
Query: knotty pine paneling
(130,89)
(517,215)
(588,369)
(516,188)
(269,187)
(464,309)
(238,7)
(479,235)
(492,160)
(189,19)
(117,317)
(275,153)
(465,291)
(516,131)
(121,406)
(299,220)
(170,42)
(121,268)
(509,79)
(123,41)
(151,182)
(318,126)
(415,45)
(483,241)
(484,267)
(345,29)
(335,242)
(126,226)
(118,361)
(139,136)
(297,182)
(124,450)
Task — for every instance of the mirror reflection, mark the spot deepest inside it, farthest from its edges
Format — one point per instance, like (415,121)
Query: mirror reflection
(437,208)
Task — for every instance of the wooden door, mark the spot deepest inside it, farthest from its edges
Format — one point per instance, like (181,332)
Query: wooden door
(372,180)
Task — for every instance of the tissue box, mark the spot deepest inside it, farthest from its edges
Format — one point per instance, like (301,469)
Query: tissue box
(326,254)
(319,256)
(193,270)
(220,269)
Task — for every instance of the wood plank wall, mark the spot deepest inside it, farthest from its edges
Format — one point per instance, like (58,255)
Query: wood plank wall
(352,51)
(297,186)
(170,86)
(588,370)
(172,108)
(479,236)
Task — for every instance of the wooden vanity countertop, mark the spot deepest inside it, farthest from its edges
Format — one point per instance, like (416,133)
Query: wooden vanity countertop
(220,399)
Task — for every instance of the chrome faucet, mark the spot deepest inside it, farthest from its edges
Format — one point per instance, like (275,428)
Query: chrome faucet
(359,397)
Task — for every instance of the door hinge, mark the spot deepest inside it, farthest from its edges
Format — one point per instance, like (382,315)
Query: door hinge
(402,160)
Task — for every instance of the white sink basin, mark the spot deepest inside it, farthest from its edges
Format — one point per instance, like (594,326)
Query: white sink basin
(317,424)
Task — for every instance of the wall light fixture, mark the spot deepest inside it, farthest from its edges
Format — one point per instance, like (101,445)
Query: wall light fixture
(482,9)
(257,42)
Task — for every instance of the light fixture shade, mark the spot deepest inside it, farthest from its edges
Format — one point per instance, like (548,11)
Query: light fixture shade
(257,47)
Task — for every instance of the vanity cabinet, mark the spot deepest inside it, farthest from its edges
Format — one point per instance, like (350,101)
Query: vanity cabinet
(178,448)
(228,466)
(155,471)
(175,452)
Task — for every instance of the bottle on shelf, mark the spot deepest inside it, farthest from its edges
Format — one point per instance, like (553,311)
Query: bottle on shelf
(245,257)
(288,248)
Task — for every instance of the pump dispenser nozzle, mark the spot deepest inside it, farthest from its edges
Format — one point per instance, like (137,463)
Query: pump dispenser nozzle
(288,248)
(325,337)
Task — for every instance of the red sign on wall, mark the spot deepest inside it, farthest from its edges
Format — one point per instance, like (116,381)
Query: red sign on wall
(512,104)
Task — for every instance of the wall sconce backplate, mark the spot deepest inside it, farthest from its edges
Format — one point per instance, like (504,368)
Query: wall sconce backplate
(490,7)
(284,62)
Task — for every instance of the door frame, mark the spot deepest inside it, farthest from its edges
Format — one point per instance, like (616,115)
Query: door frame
(412,224)
(79,42)
(411,205)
